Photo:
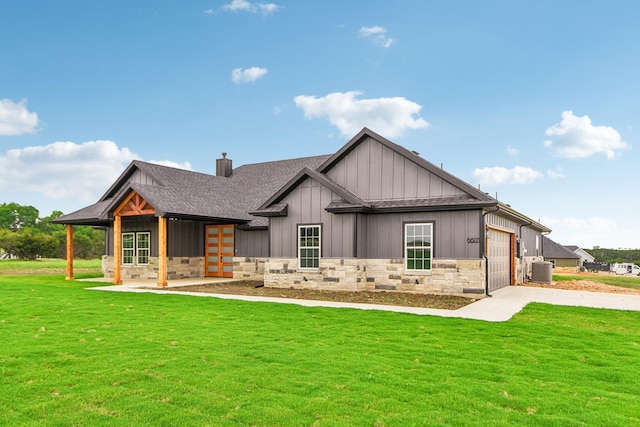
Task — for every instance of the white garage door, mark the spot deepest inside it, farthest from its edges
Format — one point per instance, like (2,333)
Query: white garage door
(499,251)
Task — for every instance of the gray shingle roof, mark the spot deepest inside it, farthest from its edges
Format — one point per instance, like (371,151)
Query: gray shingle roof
(188,194)
(551,249)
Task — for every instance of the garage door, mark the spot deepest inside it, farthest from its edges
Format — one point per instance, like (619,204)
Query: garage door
(499,252)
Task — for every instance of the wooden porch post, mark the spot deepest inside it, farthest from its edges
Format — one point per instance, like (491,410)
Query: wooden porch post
(117,250)
(162,251)
(69,252)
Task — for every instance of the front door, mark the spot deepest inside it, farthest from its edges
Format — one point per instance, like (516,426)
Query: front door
(219,250)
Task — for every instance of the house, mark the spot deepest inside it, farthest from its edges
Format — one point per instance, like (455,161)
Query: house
(372,216)
(560,257)
(584,255)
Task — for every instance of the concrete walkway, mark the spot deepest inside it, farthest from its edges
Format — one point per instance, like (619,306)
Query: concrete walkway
(500,307)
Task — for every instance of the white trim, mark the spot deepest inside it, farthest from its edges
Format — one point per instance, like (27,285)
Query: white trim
(318,247)
(405,248)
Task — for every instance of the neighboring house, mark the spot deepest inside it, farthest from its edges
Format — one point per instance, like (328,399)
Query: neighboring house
(374,215)
(584,255)
(562,258)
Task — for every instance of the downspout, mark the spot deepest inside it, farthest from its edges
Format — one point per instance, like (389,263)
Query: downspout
(484,249)
(521,254)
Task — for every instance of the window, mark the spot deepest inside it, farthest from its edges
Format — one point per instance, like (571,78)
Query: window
(417,246)
(144,247)
(128,249)
(309,246)
(136,246)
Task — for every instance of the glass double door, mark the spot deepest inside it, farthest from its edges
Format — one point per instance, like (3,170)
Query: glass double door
(219,250)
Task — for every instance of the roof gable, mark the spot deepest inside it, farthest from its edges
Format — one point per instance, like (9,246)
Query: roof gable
(374,168)
(551,249)
(348,197)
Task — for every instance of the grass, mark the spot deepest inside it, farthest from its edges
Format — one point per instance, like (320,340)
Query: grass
(49,265)
(75,357)
(612,280)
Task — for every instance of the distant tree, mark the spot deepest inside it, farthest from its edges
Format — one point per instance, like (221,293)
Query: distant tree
(7,241)
(45,224)
(615,255)
(24,234)
(30,243)
(14,216)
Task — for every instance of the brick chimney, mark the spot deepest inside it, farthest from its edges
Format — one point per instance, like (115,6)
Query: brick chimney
(224,166)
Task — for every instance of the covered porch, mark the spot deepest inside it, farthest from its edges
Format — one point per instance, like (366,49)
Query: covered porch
(147,246)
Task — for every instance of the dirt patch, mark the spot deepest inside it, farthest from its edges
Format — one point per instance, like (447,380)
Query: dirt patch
(405,299)
(586,285)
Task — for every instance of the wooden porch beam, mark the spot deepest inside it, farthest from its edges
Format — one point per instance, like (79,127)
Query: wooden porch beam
(162,251)
(69,252)
(117,250)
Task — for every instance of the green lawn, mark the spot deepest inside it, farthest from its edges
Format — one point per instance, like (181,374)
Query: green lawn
(75,357)
(49,265)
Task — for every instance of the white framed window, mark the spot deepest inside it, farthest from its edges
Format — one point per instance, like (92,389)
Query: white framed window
(136,247)
(309,246)
(128,248)
(418,247)
(143,247)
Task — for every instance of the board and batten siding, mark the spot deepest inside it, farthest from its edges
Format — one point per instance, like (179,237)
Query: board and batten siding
(306,205)
(457,234)
(526,234)
(252,243)
(185,238)
(140,177)
(373,171)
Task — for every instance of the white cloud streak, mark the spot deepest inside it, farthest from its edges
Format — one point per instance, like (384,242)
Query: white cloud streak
(246,6)
(66,171)
(512,151)
(15,119)
(557,173)
(575,137)
(498,175)
(388,116)
(248,75)
(378,35)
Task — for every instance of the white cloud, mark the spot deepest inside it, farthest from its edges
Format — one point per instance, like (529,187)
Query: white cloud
(377,34)
(246,6)
(499,175)
(590,231)
(209,11)
(15,119)
(576,137)
(557,173)
(388,116)
(512,151)
(66,171)
(171,164)
(248,75)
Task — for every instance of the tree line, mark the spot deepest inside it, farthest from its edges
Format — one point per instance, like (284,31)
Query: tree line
(26,235)
(611,256)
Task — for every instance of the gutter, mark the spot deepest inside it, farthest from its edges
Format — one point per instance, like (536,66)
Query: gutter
(486,257)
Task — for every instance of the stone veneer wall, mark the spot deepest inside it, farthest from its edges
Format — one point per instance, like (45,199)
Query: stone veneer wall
(177,268)
(249,268)
(350,274)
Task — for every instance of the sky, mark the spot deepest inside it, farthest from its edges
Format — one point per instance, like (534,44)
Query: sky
(536,102)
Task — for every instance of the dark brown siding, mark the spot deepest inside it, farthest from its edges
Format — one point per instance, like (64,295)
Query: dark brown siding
(252,243)
(185,238)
